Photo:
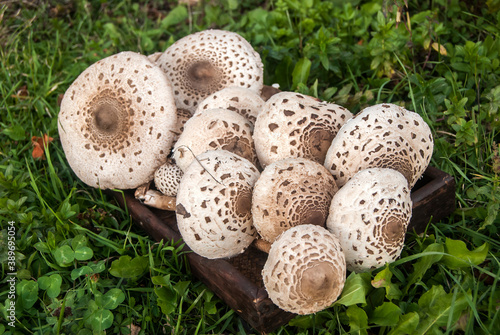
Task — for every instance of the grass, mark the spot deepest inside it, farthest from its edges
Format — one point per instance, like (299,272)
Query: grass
(83,267)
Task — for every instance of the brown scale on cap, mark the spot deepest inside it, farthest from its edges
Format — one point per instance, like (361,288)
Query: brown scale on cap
(110,114)
(370,215)
(305,271)
(208,61)
(214,129)
(213,204)
(386,136)
(296,125)
(291,192)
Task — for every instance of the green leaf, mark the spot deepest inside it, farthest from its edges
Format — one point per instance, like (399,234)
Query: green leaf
(161,280)
(27,291)
(358,320)
(425,263)
(82,271)
(99,267)
(100,320)
(355,289)
(439,309)
(460,257)
(181,287)
(79,241)
(126,267)
(210,307)
(113,298)
(42,247)
(83,253)
(176,15)
(51,284)
(387,314)
(232,4)
(383,279)
(461,67)
(64,255)
(407,324)
(166,299)
(301,72)
(15,133)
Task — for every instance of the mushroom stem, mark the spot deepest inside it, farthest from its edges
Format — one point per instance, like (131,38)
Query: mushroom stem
(154,198)
(262,245)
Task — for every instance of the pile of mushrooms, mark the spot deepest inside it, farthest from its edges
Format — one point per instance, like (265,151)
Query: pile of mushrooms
(193,130)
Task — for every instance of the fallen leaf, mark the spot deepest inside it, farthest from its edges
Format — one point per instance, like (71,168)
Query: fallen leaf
(22,93)
(39,144)
(440,48)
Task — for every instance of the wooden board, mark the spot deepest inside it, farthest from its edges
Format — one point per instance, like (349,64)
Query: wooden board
(238,281)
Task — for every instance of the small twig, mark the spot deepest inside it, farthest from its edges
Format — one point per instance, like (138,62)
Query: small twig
(199,162)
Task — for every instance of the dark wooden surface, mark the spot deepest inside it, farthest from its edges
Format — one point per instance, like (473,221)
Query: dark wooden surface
(238,281)
(433,199)
(230,284)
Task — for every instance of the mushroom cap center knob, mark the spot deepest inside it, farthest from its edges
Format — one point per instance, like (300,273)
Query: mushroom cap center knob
(317,281)
(393,230)
(107,118)
(202,71)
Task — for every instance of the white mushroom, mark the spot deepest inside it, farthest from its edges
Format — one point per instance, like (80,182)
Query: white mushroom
(168,177)
(386,136)
(214,129)
(370,215)
(241,100)
(115,121)
(291,192)
(296,125)
(154,56)
(305,271)
(214,204)
(183,116)
(205,62)
(154,198)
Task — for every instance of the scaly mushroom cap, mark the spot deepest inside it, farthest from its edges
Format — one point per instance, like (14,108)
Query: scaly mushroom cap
(154,56)
(168,177)
(238,99)
(370,215)
(386,136)
(291,192)
(305,271)
(214,129)
(296,125)
(208,61)
(115,121)
(214,204)
(183,115)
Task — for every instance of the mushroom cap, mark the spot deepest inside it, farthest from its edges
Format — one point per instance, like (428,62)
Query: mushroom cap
(296,125)
(205,62)
(214,204)
(168,177)
(183,115)
(115,121)
(291,192)
(154,56)
(305,271)
(370,215)
(241,100)
(214,129)
(386,136)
